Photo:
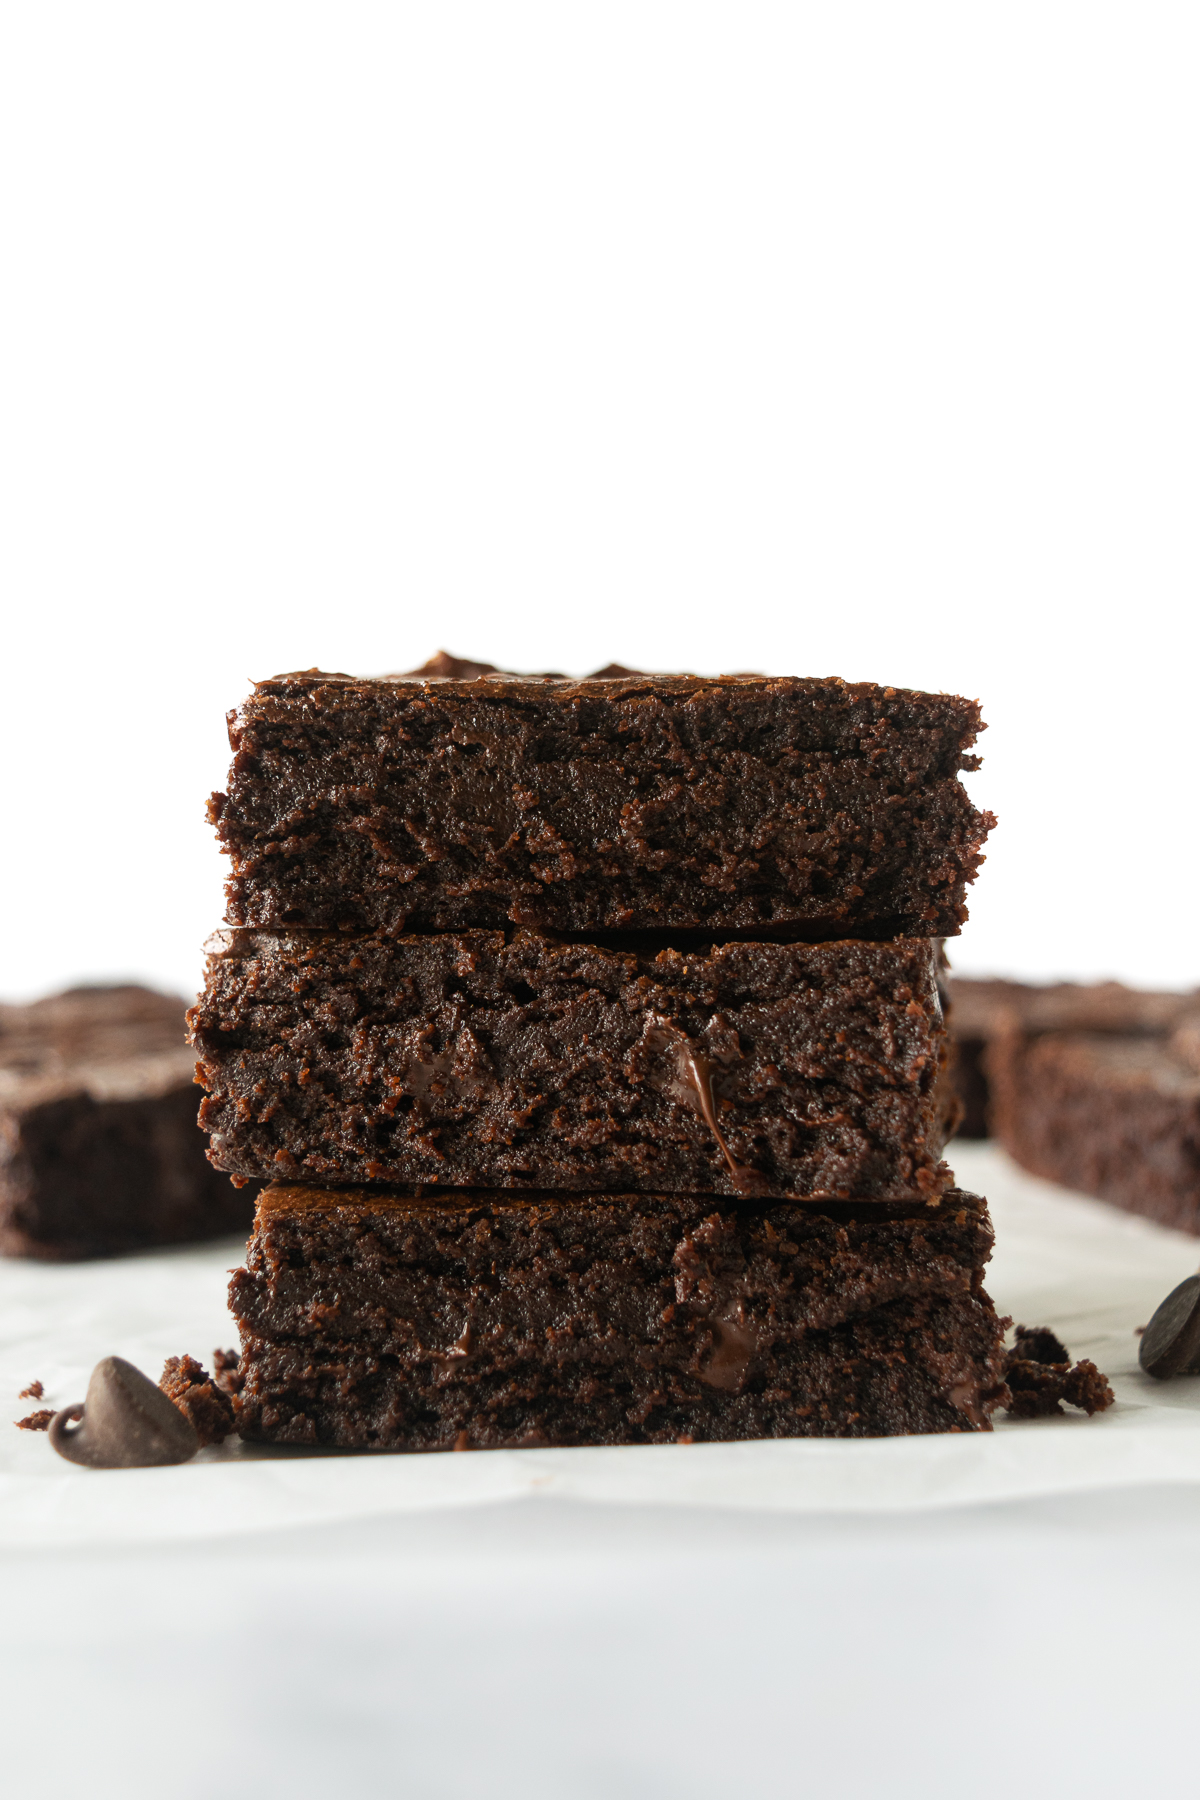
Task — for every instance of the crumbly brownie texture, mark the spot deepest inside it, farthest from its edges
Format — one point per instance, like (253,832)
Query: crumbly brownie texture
(1040,1376)
(99,1151)
(36,1421)
(199,1398)
(376,1320)
(472,1061)
(815,807)
(226,1371)
(1117,1117)
(980,1010)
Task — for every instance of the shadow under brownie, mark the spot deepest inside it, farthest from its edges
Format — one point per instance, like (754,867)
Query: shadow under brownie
(414,1321)
(472,1059)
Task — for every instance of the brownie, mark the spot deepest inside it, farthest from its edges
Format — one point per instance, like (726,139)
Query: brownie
(375,1319)
(1113,1116)
(1039,1375)
(202,1401)
(99,1151)
(480,1059)
(812,808)
(980,1009)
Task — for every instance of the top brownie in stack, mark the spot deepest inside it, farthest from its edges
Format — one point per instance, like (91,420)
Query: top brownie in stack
(743,805)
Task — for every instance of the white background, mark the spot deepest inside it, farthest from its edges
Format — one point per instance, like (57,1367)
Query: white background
(820,339)
(816,338)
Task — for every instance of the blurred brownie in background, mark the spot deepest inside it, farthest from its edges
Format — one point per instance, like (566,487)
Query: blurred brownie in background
(980,1011)
(1114,1114)
(99,1147)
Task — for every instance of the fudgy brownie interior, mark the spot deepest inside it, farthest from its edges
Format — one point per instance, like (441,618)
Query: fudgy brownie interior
(739,804)
(413,1321)
(476,1059)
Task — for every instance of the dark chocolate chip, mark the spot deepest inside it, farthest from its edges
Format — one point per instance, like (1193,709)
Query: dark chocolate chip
(128,1423)
(1171,1341)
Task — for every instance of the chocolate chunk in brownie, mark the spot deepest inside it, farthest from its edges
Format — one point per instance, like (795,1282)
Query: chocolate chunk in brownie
(99,1150)
(470,1059)
(980,1010)
(1116,1117)
(819,808)
(391,1321)
(198,1397)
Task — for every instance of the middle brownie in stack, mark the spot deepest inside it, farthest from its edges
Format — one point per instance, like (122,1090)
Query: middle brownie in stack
(608,1149)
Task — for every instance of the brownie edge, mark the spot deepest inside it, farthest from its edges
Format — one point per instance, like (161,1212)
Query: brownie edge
(100,1154)
(1113,1116)
(736,804)
(473,1060)
(410,1321)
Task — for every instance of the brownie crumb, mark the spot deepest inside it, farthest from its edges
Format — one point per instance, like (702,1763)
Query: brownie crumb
(34,1391)
(1040,1376)
(1040,1345)
(227,1372)
(189,1385)
(36,1421)
(1087,1388)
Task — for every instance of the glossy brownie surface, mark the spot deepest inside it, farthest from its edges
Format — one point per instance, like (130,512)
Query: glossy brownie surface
(816,807)
(476,1059)
(419,1321)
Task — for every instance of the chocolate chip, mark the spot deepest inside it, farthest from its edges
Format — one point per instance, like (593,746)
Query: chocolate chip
(1171,1341)
(127,1423)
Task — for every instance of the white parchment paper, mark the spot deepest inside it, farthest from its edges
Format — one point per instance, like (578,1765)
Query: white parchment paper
(1091,1272)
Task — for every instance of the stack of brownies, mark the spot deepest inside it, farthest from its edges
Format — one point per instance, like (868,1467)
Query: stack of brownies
(590,1035)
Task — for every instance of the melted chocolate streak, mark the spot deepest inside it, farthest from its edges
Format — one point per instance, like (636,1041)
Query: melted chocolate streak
(694,1086)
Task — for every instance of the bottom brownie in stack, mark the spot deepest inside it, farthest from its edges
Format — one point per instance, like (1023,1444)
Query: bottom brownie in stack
(419,1321)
